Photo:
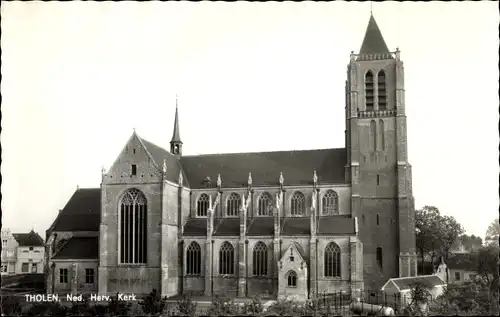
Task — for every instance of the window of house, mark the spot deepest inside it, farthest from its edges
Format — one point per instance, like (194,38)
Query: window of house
(298,204)
(134,169)
(4,268)
(33,268)
(63,275)
(4,243)
(260,259)
(193,259)
(31,248)
(226,259)
(291,278)
(25,267)
(457,276)
(233,205)
(202,205)
(89,276)
(332,260)
(133,228)
(265,204)
(330,203)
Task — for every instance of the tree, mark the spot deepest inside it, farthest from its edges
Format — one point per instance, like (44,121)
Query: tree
(470,243)
(493,232)
(153,304)
(435,234)
(487,270)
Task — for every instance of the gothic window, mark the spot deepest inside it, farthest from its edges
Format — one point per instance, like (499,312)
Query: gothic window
(202,205)
(369,96)
(382,95)
(133,227)
(226,259)
(233,205)
(298,204)
(330,200)
(265,203)
(291,278)
(332,260)
(193,259)
(260,259)
(382,132)
(373,135)
(379,257)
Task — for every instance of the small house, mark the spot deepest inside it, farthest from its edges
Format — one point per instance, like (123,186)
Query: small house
(399,289)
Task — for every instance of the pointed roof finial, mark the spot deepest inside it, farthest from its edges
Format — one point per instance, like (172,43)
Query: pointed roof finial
(176,137)
(164,166)
(249,179)
(282,179)
(219,181)
(371,7)
(315,178)
(373,41)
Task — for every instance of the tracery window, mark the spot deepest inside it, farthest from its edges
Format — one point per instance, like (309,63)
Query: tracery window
(265,204)
(382,91)
(373,135)
(260,259)
(330,203)
(298,204)
(133,227)
(332,260)
(382,134)
(369,95)
(291,278)
(193,259)
(233,205)
(202,205)
(226,259)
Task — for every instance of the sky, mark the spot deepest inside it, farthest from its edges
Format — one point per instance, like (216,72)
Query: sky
(78,77)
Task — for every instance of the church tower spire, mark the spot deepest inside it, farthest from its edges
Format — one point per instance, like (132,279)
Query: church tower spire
(176,143)
(374,41)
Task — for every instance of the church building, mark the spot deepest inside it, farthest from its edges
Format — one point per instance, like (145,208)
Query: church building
(287,223)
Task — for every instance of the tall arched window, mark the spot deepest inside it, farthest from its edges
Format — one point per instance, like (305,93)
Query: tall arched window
(332,260)
(265,204)
(233,205)
(369,96)
(291,278)
(298,204)
(226,259)
(382,91)
(373,135)
(379,257)
(382,136)
(202,205)
(330,200)
(193,259)
(133,227)
(260,259)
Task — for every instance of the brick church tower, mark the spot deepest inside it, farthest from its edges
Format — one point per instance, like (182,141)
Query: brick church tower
(378,167)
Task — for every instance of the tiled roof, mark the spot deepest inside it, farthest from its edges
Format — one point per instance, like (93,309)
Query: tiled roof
(336,225)
(30,239)
(195,227)
(297,167)
(299,249)
(404,283)
(260,226)
(295,226)
(79,248)
(373,41)
(227,227)
(158,154)
(81,213)
(466,262)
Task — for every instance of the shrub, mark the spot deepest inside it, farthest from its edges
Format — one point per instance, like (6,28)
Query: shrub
(253,308)
(118,308)
(186,307)
(47,309)
(11,305)
(222,307)
(153,304)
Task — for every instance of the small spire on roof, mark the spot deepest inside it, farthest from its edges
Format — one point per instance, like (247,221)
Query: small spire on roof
(219,181)
(164,166)
(282,179)
(315,178)
(77,187)
(249,179)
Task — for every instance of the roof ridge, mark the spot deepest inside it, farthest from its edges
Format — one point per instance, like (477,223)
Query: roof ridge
(263,152)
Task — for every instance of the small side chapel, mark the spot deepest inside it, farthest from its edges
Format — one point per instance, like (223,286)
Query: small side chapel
(292,276)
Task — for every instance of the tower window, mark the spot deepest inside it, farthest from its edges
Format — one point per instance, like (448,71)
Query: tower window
(378,179)
(373,135)
(134,169)
(369,91)
(379,257)
(176,149)
(382,91)
(382,136)
(378,219)
(133,151)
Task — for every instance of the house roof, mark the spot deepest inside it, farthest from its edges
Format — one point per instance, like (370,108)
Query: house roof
(159,154)
(79,248)
(30,239)
(81,213)
(373,41)
(466,262)
(405,283)
(297,167)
